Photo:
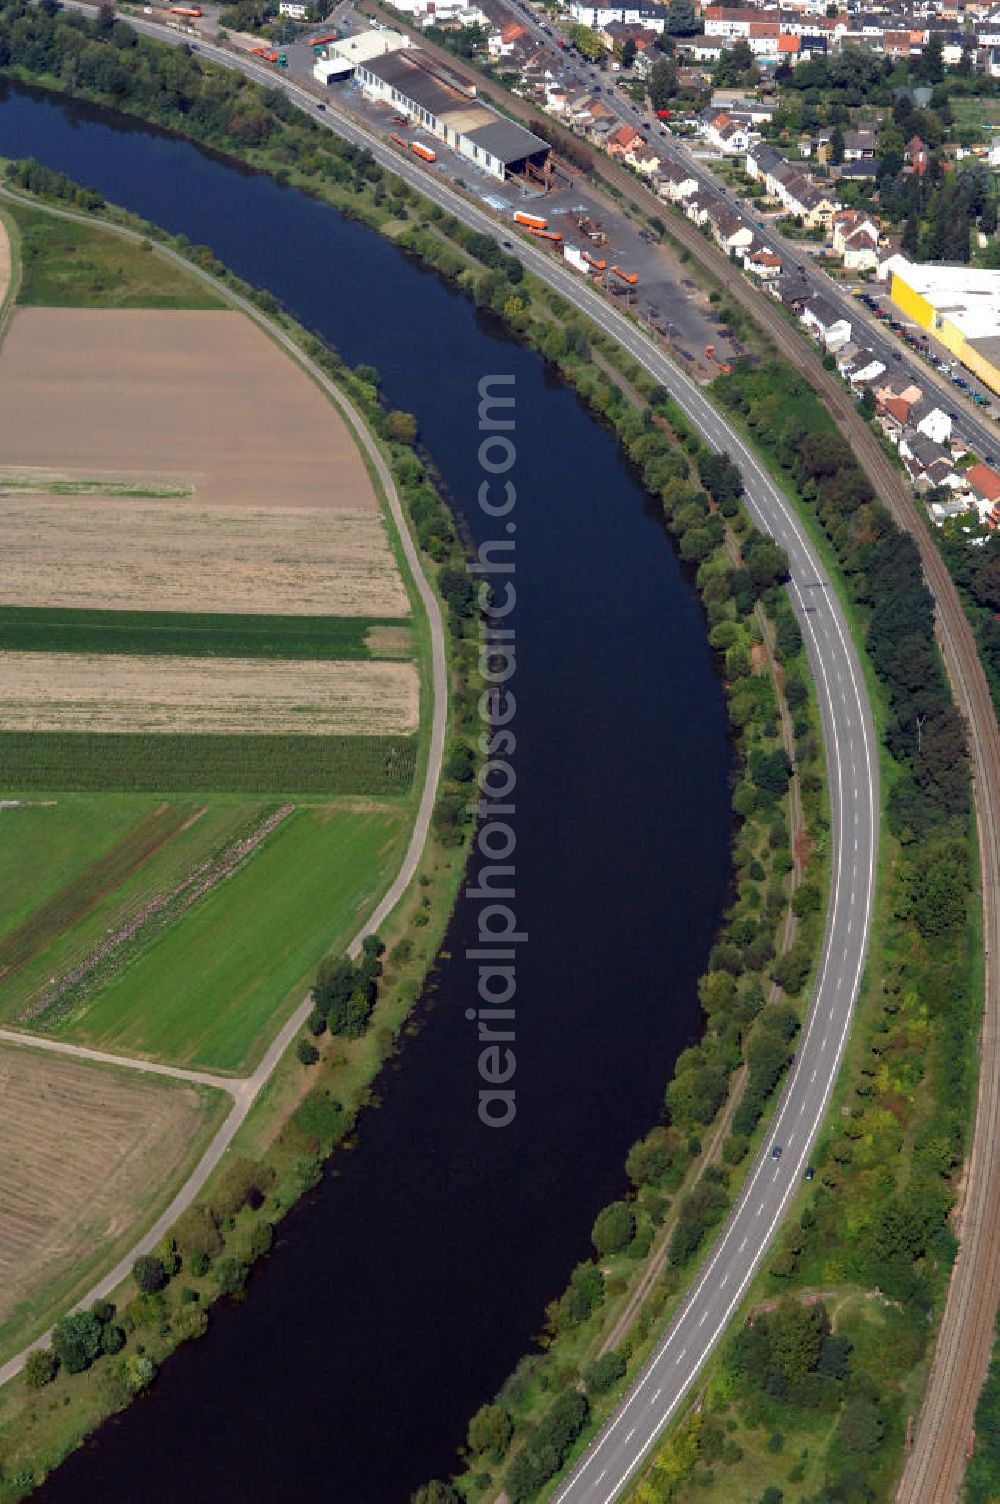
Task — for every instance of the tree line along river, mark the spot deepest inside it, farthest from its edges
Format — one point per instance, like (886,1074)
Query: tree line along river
(403,1290)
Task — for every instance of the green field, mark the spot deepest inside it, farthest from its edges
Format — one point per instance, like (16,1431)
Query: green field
(75,903)
(70,265)
(173,763)
(47,845)
(189,634)
(208,991)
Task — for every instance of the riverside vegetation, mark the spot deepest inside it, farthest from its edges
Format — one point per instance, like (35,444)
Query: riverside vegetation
(909,1012)
(811,1400)
(99,1359)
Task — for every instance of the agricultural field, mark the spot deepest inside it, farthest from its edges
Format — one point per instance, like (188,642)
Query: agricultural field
(179,555)
(167,399)
(230,696)
(65,630)
(70,1192)
(209,991)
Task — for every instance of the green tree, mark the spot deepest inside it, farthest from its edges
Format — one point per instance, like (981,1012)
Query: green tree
(836,154)
(662,85)
(716,990)
(604,1372)
(490,1430)
(613,1229)
(306,1052)
(587,42)
(628,53)
(76,1341)
(860,1429)
(436,1492)
(149,1274)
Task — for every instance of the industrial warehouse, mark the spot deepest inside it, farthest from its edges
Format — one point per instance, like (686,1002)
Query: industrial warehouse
(959,305)
(429,94)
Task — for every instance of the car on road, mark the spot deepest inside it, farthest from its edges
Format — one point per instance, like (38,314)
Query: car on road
(810,1172)
(776,1152)
(321,106)
(508,245)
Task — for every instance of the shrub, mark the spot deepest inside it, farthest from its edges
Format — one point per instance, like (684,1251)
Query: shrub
(197,1233)
(41,1368)
(77,1341)
(306,1052)
(231,1275)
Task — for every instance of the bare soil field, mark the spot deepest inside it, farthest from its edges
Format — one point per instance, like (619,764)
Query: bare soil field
(84,1150)
(238,696)
(130,554)
(143,391)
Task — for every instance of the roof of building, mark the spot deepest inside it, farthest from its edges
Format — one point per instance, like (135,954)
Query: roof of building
(507,141)
(822,311)
(984,481)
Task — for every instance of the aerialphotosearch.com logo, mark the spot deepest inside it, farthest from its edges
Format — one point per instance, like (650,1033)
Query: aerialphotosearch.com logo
(495,954)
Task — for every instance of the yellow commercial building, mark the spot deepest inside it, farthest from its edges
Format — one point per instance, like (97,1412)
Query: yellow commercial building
(958,305)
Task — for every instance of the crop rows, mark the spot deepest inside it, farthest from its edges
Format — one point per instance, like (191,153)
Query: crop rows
(171,763)
(53,629)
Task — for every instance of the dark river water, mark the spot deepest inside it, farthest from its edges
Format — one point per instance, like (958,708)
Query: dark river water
(404,1289)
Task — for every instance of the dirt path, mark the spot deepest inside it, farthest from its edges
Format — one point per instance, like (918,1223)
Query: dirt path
(4,261)
(128,1062)
(246,1090)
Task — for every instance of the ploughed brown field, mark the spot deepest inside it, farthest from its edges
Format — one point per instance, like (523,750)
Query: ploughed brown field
(239,696)
(79,1141)
(150,392)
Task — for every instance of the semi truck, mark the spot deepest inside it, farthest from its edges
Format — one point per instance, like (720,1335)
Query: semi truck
(423,152)
(530,221)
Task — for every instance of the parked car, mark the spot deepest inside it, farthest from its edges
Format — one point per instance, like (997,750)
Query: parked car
(810,1172)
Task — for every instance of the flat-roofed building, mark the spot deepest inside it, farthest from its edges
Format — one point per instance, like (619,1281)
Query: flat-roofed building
(959,305)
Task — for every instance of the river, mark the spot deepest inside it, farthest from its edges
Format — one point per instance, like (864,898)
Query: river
(402,1291)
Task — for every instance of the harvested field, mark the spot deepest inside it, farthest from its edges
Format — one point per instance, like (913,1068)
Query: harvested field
(86,1152)
(110,692)
(125,394)
(130,554)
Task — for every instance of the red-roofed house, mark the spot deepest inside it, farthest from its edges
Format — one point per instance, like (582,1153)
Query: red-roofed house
(623,140)
(984,484)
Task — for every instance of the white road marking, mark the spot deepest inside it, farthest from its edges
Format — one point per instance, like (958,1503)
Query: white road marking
(743,1244)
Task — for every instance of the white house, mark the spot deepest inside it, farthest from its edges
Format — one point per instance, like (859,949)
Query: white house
(825,324)
(293,9)
(936,425)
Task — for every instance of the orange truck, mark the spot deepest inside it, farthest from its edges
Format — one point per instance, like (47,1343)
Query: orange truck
(592,261)
(423,152)
(398,141)
(553,236)
(630,277)
(185,10)
(530,221)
